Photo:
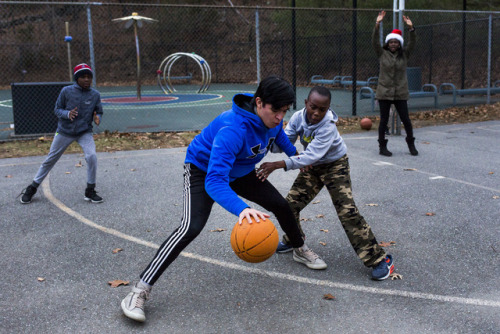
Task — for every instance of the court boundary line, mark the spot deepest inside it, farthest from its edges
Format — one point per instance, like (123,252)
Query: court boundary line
(267,273)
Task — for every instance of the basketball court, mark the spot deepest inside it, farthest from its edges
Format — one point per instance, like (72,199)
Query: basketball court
(439,209)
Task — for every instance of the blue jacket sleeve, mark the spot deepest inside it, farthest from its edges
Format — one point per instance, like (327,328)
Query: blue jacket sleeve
(227,143)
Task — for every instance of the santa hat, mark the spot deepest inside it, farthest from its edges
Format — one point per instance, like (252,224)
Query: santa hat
(82,69)
(395,34)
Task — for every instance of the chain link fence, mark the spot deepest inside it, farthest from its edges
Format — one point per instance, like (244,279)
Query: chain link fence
(242,45)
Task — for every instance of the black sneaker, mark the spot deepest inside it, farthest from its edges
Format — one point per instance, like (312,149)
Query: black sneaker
(91,196)
(28,193)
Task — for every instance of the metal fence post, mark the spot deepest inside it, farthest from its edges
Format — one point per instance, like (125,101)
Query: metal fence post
(488,71)
(91,45)
(257,42)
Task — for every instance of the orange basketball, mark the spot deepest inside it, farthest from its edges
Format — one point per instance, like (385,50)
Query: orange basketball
(366,123)
(255,242)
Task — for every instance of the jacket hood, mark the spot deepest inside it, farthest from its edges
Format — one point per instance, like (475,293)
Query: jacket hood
(239,102)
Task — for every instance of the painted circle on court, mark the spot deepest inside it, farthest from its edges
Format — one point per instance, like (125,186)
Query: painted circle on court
(158,99)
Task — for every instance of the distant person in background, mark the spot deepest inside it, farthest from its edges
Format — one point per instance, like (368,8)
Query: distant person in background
(392,85)
(76,107)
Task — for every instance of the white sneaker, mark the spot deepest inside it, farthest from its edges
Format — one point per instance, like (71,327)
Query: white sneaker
(133,304)
(306,256)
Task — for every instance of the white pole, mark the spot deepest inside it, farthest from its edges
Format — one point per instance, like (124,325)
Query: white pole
(401,10)
(257,43)
(488,80)
(394,11)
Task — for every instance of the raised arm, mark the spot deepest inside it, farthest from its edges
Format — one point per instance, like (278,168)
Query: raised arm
(413,36)
(375,39)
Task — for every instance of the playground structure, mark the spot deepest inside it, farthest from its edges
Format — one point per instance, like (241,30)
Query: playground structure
(164,70)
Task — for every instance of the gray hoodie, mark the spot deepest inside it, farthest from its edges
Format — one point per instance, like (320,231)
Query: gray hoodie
(322,142)
(87,102)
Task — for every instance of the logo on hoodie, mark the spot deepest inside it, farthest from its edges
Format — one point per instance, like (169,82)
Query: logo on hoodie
(256,150)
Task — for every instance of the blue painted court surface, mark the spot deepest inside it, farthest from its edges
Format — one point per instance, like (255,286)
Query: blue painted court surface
(440,209)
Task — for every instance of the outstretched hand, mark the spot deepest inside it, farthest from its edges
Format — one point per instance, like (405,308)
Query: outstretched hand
(267,168)
(408,21)
(380,16)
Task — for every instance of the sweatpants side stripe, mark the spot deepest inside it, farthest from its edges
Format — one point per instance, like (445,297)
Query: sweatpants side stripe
(167,248)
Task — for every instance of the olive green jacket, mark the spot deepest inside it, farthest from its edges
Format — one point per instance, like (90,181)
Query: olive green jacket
(392,80)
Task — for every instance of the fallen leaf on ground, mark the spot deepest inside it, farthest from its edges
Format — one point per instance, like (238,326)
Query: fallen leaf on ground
(116,250)
(491,173)
(316,202)
(496,197)
(40,279)
(410,169)
(322,243)
(371,204)
(324,230)
(67,173)
(79,164)
(320,216)
(132,170)
(387,244)
(304,219)
(395,276)
(430,214)
(328,296)
(117,282)
(425,142)
(218,230)
(8,176)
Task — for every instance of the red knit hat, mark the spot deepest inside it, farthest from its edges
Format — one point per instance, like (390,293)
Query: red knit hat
(81,69)
(395,34)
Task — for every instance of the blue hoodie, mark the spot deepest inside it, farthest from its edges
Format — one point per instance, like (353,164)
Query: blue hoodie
(230,147)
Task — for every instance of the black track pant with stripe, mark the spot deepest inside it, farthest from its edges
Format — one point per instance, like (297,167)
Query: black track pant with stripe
(198,205)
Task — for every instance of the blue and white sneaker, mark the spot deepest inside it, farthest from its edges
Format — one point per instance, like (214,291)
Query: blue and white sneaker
(283,248)
(384,269)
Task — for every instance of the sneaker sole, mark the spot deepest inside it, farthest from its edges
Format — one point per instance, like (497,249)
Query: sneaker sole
(308,264)
(24,202)
(132,315)
(91,200)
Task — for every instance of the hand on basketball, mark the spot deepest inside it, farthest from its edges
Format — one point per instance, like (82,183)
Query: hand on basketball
(407,21)
(97,120)
(380,16)
(249,212)
(73,113)
(267,168)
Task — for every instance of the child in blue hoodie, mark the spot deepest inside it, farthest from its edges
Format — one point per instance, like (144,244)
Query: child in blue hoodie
(323,163)
(76,107)
(220,167)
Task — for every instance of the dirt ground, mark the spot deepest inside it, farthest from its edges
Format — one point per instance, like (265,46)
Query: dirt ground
(109,142)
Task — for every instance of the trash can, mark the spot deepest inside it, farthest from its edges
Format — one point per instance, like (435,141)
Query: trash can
(414,75)
(33,106)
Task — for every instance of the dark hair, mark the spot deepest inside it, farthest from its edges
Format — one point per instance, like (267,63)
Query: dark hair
(275,91)
(321,90)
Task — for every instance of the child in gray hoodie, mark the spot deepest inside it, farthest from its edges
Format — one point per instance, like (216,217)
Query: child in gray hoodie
(324,162)
(76,108)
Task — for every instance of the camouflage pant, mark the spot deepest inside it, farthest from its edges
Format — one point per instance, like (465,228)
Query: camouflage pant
(336,177)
